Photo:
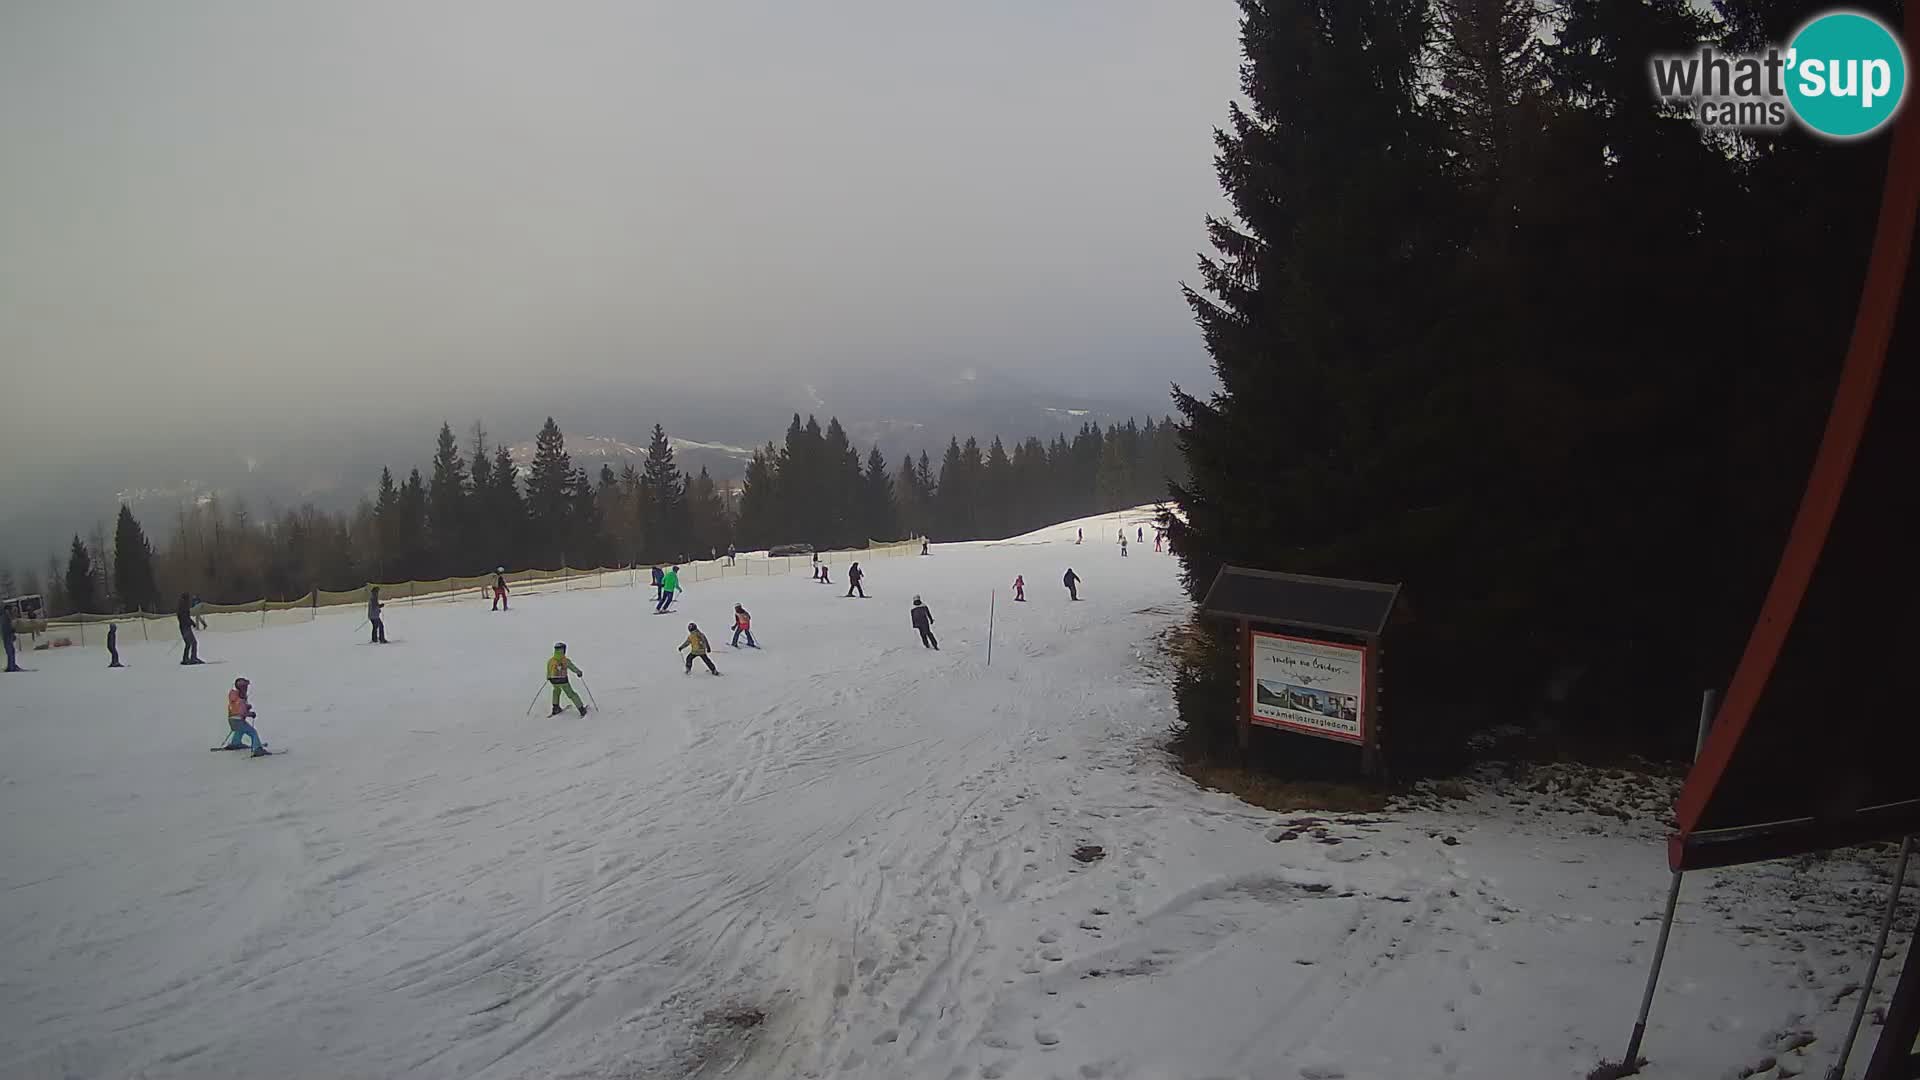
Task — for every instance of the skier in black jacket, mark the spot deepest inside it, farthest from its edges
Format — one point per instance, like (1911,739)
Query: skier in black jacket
(854,576)
(923,622)
(1072,582)
(183,614)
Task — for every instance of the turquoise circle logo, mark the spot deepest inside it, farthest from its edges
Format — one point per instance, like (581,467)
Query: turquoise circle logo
(1847,74)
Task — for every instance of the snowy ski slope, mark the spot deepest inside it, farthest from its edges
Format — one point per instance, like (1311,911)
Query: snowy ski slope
(848,856)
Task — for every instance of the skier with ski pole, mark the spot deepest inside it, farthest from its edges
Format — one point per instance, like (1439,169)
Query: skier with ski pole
(697,645)
(239,711)
(557,668)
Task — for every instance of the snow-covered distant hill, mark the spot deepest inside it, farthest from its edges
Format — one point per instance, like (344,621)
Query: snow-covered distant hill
(589,452)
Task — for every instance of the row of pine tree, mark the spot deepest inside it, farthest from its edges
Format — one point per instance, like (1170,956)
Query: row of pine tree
(475,508)
(1493,322)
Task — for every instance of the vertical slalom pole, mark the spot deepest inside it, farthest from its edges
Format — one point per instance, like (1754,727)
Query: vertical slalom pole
(991,597)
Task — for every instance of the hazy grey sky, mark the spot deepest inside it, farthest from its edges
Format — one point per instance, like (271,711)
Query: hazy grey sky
(206,201)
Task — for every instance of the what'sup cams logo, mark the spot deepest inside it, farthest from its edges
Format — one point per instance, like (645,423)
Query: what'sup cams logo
(1843,76)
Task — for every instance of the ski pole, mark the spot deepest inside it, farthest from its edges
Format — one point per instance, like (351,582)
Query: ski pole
(589,690)
(535,701)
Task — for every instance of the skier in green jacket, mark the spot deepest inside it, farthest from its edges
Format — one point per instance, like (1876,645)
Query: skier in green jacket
(669,584)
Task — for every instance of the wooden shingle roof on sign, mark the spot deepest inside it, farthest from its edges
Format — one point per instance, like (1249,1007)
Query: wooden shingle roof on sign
(1336,605)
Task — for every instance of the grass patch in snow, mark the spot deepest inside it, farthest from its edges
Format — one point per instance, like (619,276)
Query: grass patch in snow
(1277,793)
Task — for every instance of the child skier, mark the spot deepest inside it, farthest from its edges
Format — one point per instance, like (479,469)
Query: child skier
(557,667)
(669,584)
(239,711)
(923,622)
(697,645)
(742,624)
(854,576)
(374,607)
(1019,588)
(499,589)
(1072,581)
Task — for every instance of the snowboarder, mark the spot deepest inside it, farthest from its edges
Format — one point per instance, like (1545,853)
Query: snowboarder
(669,584)
(923,622)
(239,711)
(1072,582)
(854,577)
(499,589)
(1019,588)
(113,645)
(697,645)
(730,554)
(743,624)
(557,667)
(374,607)
(657,578)
(7,636)
(190,646)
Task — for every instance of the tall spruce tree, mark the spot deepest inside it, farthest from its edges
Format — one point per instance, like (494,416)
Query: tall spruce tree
(1332,171)
(549,481)
(507,514)
(81,594)
(666,495)
(447,519)
(760,502)
(879,515)
(133,580)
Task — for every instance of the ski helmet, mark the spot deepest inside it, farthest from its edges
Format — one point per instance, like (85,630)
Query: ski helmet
(916,599)
(690,626)
(559,646)
(499,569)
(240,683)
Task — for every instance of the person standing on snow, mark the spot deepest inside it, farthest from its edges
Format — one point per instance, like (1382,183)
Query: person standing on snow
(557,667)
(742,624)
(499,589)
(697,645)
(113,645)
(190,646)
(657,578)
(730,554)
(926,546)
(669,584)
(854,577)
(1019,588)
(239,712)
(374,607)
(825,578)
(7,637)
(1072,581)
(1123,547)
(1080,536)
(923,622)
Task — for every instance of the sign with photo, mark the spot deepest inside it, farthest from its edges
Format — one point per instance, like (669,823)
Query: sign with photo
(1313,687)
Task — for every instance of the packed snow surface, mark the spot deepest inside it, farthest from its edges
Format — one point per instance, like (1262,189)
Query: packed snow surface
(848,856)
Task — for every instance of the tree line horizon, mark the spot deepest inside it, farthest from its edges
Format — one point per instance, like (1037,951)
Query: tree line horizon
(475,508)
